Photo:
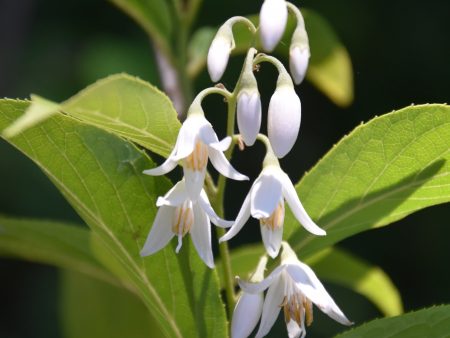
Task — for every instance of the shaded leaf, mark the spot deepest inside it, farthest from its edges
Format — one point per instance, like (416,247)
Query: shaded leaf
(101,176)
(53,243)
(90,308)
(433,322)
(381,172)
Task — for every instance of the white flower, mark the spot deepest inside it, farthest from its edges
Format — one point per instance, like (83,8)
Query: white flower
(298,62)
(272,22)
(283,121)
(249,115)
(265,201)
(249,306)
(293,286)
(195,143)
(177,215)
(219,52)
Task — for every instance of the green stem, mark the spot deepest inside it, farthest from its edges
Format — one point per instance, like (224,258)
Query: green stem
(218,202)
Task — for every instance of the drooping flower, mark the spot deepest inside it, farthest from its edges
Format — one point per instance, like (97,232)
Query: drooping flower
(219,51)
(197,142)
(249,115)
(299,53)
(272,22)
(249,306)
(293,286)
(265,201)
(283,121)
(178,215)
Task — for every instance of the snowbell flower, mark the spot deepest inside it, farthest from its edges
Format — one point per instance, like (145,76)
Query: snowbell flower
(178,215)
(219,51)
(283,121)
(249,306)
(248,102)
(265,201)
(294,287)
(197,142)
(272,22)
(299,52)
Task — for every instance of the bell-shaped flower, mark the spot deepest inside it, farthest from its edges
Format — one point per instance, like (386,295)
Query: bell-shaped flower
(178,215)
(248,309)
(299,53)
(272,22)
(283,121)
(197,142)
(294,287)
(249,115)
(219,51)
(265,202)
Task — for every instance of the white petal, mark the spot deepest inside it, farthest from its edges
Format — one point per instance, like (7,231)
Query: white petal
(201,236)
(218,55)
(220,162)
(255,288)
(308,283)
(222,145)
(283,121)
(175,196)
(161,232)
(240,221)
(272,240)
(194,181)
(265,195)
(298,63)
(187,136)
(164,168)
(204,203)
(209,137)
(294,331)
(249,116)
(246,314)
(272,22)
(297,209)
(271,308)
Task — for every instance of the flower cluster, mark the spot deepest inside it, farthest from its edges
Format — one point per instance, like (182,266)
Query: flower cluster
(186,208)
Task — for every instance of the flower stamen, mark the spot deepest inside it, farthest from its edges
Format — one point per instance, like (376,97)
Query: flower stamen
(276,219)
(183,220)
(198,159)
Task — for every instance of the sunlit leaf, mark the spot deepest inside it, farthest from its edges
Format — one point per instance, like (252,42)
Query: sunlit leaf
(433,322)
(330,68)
(62,245)
(381,172)
(335,266)
(90,308)
(101,176)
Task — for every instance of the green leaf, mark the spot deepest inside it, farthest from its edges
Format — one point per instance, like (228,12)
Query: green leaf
(100,174)
(47,242)
(330,68)
(341,268)
(121,104)
(381,172)
(433,322)
(335,266)
(154,17)
(90,308)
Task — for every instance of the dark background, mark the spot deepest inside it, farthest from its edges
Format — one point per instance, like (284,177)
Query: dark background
(400,52)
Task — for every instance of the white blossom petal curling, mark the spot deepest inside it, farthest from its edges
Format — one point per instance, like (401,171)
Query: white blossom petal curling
(219,52)
(249,115)
(283,121)
(272,22)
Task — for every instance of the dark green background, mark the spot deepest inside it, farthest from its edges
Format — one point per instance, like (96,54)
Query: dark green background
(400,52)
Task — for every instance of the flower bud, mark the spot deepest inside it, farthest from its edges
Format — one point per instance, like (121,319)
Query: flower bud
(219,52)
(283,119)
(249,115)
(272,22)
(299,54)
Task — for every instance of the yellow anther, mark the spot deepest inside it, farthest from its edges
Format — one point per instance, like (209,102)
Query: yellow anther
(198,159)
(183,220)
(276,219)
